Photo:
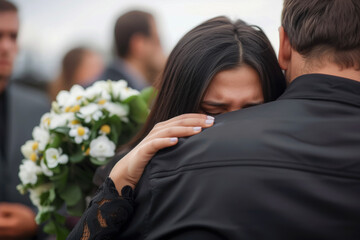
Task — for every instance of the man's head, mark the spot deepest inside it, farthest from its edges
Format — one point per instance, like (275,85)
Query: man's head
(9,26)
(136,38)
(319,33)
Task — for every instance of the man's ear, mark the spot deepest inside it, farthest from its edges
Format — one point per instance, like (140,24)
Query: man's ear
(284,49)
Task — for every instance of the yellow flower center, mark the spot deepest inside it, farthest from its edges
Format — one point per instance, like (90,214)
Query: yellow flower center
(105,129)
(35,146)
(74,122)
(78,98)
(67,109)
(47,121)
(75,108)
(33,157)
(87,152)
(102,102)
(81,131)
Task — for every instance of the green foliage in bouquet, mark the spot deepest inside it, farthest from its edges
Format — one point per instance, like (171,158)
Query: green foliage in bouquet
(80,133)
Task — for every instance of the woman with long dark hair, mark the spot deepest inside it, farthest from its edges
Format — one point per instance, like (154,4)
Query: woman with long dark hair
(217,67)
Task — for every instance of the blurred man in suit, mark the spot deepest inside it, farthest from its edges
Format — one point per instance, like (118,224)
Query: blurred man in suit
(139,55)
(20,110)
(289,169)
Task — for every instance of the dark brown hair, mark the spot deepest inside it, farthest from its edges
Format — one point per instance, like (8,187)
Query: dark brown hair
(69,66)
(6,6)
(216,45)
(128,25)
(324,28)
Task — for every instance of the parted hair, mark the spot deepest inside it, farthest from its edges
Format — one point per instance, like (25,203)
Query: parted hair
(214,46)
(6,6)
(324,28)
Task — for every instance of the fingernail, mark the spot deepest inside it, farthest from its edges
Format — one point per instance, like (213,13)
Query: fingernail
(210,118)
(197,129)
(173,140)
(209,121)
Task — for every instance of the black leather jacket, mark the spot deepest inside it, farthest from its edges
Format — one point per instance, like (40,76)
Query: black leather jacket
(289,169)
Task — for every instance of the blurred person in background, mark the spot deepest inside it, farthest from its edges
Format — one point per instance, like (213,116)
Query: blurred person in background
(20,110)
(139,55)
(81,66)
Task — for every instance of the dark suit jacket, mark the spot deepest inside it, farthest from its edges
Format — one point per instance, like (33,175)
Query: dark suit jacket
(25,107)
(118,70)
(289,169)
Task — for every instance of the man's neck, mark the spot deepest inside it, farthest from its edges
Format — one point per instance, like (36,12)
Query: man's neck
(301,67)
(344,73)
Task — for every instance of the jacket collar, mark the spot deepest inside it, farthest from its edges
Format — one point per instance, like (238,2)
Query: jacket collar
(324,87)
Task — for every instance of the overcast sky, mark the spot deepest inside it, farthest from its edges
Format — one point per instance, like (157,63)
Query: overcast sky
(50,28)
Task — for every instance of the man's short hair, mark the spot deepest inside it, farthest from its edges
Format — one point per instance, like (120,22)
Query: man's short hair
(127,25)
(324,28)
(6,6)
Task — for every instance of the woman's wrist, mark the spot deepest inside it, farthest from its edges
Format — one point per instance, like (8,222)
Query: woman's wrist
(121,179)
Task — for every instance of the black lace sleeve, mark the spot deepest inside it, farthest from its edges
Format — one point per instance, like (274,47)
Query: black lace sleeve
(107,213)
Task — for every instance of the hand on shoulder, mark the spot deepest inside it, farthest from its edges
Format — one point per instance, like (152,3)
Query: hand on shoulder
(165,134)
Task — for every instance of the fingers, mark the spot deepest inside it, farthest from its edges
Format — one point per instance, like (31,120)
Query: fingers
(176,131)
(192,122)
(150,148)
(201,118)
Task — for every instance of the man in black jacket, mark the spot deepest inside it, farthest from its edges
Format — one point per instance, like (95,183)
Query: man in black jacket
(20,110)
(289,169)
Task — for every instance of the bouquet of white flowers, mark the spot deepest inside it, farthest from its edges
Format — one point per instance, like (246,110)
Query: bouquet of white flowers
(80,133)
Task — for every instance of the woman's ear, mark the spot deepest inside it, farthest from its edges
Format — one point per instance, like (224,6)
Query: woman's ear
(284,49)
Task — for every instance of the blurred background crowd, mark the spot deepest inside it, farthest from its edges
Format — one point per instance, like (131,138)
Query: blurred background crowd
(67,42)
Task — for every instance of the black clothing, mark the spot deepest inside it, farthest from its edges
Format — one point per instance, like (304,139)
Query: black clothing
(24,108)
(115,212)
(119,70)
(2,123)
(3,106)
(289,169)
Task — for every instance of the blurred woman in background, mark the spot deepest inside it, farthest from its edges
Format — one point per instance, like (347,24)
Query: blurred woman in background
(81,66)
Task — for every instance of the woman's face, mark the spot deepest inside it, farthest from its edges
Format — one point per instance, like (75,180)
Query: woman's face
(232,90)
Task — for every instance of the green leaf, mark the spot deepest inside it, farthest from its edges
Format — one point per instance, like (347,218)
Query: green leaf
(98,162)
(60,219)
(42,216)
(61,130)
(148,94)
(71,194)
(77,210)
(138,109)
(50,228)
(55,141)
(52,195)
(60,179)
(114,134)
(56,227)
(44,198)
(95,128)
(77,157)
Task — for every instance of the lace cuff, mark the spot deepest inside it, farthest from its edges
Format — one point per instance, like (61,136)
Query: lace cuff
(107,213)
